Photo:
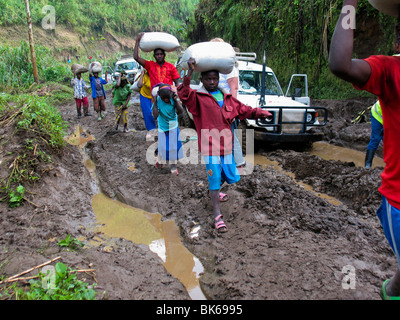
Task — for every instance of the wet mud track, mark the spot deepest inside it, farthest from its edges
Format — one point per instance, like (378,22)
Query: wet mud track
(284,242)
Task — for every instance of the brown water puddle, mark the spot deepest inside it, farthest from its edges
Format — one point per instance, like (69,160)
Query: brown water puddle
(117,219)
(264,161)
(79,137)
(328,151)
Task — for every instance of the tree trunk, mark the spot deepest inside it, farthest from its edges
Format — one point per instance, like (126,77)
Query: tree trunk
(33,55)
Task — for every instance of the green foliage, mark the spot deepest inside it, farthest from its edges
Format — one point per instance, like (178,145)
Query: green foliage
(298,35)
(65,286)
(16,70)
(35,116)
(123,16)
(16,196)
(70,243)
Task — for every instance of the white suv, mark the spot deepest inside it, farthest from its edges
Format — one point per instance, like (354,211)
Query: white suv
(129,65)
(293,118)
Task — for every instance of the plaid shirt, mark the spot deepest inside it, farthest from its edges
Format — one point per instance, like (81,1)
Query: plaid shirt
(79,88)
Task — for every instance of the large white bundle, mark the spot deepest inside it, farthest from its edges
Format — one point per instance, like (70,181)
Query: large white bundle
(210,56)
(95,67)
(158,40)
(78,68)
(389,7)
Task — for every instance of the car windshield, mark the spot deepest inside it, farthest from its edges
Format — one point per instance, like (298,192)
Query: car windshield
(250,83)
(127,65)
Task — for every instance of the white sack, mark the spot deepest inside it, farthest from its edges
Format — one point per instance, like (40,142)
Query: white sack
(210,56)
(389,7)
(95,67)
(158,40)
(78,68)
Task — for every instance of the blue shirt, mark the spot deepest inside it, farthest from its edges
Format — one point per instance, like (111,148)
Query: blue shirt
(219,96)
(167,118)
(93,85)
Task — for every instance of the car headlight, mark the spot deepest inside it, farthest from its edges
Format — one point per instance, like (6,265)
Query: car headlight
(310,117)
(268,121)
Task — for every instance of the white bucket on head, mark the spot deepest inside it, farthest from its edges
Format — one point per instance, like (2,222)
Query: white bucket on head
(389,7)
(210,56)
(158,40)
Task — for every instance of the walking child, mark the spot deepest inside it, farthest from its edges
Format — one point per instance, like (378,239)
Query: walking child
(213,113)
(122,95)
(98,93)
(166,108)
(80,95)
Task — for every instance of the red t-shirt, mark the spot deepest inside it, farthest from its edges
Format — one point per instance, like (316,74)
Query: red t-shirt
(166,73)
(384,82)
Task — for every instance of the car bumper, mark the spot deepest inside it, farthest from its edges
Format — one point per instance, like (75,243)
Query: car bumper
(287,137)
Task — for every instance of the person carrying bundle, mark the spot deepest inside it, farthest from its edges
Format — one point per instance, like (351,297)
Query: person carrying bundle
(213,112)
(122,95)
(159,70)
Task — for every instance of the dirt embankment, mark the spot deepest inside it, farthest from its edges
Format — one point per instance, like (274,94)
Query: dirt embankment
(284,242)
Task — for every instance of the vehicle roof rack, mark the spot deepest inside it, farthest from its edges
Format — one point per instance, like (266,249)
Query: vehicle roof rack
(246,56)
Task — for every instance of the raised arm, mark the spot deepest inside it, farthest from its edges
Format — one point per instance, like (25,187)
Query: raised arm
(136,53)
(185,93)
(341,63)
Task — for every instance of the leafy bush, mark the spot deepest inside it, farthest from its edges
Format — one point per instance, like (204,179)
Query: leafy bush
(65,286)
(16,70)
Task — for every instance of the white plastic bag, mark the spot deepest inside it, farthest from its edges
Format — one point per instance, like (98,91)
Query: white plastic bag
(158,40)
(210,56)
(389,7)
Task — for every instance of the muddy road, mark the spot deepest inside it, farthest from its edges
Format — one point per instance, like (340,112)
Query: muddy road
(300,226)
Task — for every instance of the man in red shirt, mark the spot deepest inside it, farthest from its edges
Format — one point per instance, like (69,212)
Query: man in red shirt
(379,75)
(159,70)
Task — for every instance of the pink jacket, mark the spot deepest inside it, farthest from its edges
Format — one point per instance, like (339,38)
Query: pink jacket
(213,123)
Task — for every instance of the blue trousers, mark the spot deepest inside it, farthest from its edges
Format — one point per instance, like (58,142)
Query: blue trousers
(376,134)
(145,104)
(389,217)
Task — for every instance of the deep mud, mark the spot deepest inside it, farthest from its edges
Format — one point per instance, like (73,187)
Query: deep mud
(284,242)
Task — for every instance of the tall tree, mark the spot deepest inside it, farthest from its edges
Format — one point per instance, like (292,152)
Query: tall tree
(33,55)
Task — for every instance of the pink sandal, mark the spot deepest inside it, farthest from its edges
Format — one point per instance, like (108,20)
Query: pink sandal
(220,224)
(223,197)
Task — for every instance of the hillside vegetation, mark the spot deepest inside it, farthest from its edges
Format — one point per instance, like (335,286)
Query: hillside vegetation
(298,35)
(127,17)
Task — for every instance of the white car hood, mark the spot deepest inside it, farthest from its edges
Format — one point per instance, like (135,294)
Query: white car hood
(274,101)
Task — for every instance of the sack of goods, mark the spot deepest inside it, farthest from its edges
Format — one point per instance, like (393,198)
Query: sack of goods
(389,7)
(95,67)
(78,68)
(210,56)
(158,40)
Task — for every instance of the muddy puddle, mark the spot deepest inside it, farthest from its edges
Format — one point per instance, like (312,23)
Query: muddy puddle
(118,220)
(328,151)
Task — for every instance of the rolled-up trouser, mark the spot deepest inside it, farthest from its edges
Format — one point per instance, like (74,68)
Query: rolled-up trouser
(389,217)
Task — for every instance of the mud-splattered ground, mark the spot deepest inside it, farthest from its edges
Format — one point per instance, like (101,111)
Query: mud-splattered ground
(284,242)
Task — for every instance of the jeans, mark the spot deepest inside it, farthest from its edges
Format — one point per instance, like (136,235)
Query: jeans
(376,134)
(145,104)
